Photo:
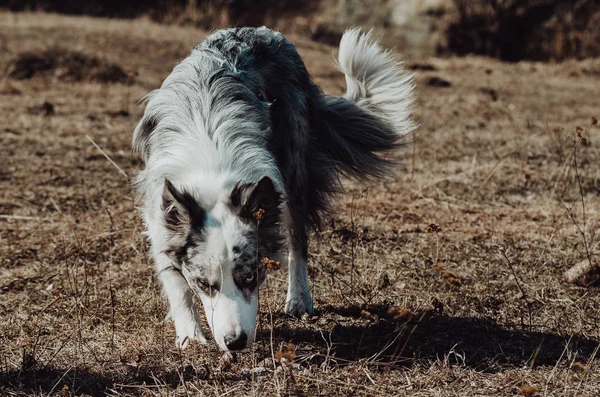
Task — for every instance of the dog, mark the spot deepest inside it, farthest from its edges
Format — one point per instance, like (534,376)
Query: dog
(243,155)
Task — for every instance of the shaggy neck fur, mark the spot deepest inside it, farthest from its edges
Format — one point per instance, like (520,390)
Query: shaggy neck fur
(205,133)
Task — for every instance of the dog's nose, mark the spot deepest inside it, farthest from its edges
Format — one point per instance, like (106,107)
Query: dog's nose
(236,342)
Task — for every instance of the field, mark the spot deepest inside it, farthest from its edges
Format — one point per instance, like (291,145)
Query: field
(446,280)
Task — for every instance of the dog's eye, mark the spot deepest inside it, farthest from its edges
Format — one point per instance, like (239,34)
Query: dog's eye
(207,287)
(250,278)
(203,283)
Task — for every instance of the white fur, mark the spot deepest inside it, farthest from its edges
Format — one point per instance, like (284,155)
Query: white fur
(298,300)
(375,81)
(227,312)
(205,150)
(207,168)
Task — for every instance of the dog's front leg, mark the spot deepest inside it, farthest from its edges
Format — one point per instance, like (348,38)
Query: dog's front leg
(299,300)
(182,308)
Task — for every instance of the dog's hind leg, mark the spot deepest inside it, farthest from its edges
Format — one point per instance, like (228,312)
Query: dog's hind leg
(182,309)
(299,300)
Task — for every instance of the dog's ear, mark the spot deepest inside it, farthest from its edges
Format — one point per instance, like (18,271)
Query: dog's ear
(247,198)
(182,212)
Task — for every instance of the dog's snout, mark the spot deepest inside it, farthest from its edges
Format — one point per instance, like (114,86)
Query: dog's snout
(234,341)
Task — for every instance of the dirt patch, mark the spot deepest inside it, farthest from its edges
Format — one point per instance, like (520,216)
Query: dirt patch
(66,65)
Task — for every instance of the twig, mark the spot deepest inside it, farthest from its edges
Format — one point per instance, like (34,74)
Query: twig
(581,231)
(59,380)
(495,167)
(353,242)
(581,195)
(512,270)
(565,349)
(587,371)
(107,157)
(56,206)
(20,217)
(330,271)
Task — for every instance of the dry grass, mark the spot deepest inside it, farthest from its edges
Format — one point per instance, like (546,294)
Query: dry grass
(475,306)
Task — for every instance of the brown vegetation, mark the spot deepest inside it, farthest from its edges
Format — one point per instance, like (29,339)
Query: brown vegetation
(446,280)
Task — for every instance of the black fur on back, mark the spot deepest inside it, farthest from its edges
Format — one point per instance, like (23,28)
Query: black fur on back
(314,138)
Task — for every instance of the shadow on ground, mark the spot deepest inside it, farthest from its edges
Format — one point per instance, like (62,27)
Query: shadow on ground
(85,382)
(477,343)
(52,380)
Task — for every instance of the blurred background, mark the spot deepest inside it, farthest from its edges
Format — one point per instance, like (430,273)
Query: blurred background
(511,30)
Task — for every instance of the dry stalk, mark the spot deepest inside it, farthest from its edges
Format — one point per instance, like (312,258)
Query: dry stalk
(587,369)
(353,241)
(553,371)
(523,294)
(582,272)
(110,160)
(331,272)
(20,217)
(582,229)
(258,215)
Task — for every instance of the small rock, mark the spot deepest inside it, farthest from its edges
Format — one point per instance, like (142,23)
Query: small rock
(118,113)
(47,109)
(226,360)
(435,81)
(491,92)
(584,273)
(255,371)
(306,317)
(421,66)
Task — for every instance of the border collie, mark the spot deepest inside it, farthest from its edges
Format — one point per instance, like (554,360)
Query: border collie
(243,154)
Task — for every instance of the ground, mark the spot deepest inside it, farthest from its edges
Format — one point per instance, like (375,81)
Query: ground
(446,280)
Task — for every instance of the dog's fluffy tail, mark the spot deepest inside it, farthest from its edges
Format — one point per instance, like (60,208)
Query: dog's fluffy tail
(373,117)
(356,132)
(375,81)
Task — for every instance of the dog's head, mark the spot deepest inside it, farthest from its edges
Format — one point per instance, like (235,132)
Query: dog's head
(219,252)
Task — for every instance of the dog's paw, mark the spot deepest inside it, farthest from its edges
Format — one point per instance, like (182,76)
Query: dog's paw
(190,333)
(298,304)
